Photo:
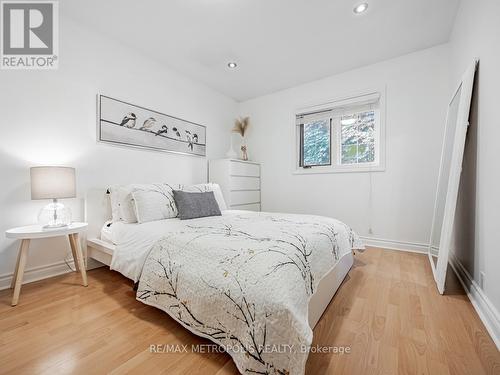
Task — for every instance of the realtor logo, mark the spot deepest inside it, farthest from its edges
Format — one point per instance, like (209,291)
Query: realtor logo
(29,35)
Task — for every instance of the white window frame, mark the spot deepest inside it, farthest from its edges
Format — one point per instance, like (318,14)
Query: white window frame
(337,167)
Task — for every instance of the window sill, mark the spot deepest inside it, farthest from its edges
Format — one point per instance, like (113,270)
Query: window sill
(338,169)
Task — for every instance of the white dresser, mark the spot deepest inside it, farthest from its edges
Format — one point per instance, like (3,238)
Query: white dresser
(239,181)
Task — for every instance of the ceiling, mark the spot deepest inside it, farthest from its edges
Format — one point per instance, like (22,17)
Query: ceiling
(276,43)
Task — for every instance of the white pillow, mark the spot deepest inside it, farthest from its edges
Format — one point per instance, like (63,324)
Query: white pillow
(208,187)
(154,204)
(123,207)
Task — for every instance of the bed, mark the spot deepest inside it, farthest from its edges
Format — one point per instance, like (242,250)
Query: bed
(254,283)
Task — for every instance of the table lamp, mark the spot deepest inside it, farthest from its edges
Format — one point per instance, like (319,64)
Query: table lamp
(53,183)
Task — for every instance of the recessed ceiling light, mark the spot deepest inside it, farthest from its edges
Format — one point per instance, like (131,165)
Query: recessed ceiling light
(232,65)
(358,9)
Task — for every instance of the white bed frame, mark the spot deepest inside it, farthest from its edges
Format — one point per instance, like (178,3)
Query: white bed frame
(98,211)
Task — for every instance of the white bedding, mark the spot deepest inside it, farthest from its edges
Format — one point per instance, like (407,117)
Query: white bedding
(243,279)
(107,233)
(134,241)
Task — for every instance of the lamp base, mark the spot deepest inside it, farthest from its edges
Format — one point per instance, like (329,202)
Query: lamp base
(54,215)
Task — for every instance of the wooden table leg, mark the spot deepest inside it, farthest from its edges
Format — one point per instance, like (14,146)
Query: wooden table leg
(73,251)
(21,263)
(14,276)
(75,241)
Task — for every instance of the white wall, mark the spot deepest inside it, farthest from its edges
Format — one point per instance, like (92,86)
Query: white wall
(49,117)
(403,195)
(476,34)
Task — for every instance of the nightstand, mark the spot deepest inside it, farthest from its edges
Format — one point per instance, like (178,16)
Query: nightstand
(31,232)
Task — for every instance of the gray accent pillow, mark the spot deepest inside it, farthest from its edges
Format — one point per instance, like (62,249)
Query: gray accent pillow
(194,205)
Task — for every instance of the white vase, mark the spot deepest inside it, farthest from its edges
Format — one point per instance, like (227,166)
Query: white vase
(231,154)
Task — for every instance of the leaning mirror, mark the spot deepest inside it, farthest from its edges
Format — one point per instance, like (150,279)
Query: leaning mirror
(457,122)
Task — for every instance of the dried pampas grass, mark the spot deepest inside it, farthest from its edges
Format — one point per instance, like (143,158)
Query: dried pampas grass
(241,125)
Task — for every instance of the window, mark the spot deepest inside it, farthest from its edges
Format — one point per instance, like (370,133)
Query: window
(341,136)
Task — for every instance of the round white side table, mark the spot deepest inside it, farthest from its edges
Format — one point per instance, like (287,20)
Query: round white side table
(31,232)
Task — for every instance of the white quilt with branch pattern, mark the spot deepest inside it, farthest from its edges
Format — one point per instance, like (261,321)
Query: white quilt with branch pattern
(244,281)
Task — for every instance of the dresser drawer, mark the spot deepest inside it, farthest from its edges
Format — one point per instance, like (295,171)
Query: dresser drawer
(244,197)
(247,207)
(244,169)
(245,183)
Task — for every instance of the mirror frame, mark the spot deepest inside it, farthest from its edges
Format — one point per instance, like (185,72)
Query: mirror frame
(466,84)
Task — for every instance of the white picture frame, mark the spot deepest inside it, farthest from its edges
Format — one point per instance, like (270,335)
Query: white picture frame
(125,124)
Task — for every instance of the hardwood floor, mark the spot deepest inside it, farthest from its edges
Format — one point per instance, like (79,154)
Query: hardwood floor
(387,311)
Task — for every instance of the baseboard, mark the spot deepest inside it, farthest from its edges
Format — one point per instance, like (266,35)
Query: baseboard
(488,314)
(413,247)
(45,271)
(38,273)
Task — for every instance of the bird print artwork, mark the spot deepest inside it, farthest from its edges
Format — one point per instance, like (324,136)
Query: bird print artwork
(162,130)
(177,133)
(129,120)
(189,139)
(128,124)
(148,124)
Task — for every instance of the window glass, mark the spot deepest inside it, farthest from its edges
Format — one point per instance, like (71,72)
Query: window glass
(316,143)
(357,138)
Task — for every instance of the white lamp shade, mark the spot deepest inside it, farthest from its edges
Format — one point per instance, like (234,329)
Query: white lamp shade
(52,182)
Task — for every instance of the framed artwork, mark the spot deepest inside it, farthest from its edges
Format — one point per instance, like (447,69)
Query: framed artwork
(131,125)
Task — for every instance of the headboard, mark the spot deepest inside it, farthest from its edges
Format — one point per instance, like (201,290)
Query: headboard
(97,211)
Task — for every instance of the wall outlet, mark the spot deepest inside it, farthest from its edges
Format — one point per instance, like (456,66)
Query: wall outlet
(370,230)
(482,276)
